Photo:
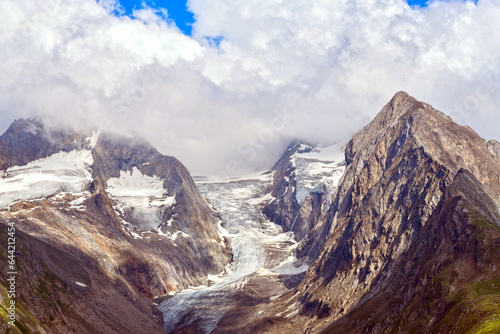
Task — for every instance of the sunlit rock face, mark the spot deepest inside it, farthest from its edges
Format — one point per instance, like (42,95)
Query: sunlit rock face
(410,237)
(129,222)
(494,148)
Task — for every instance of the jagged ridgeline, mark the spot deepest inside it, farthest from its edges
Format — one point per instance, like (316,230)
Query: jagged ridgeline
(104,223)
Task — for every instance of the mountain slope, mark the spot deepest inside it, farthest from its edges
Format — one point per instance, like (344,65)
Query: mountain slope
(418,202)
(129,219)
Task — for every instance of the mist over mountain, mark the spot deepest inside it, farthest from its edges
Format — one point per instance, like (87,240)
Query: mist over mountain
(279,71)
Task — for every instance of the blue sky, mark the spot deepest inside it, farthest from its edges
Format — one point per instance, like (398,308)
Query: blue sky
(421,3)
(177,10)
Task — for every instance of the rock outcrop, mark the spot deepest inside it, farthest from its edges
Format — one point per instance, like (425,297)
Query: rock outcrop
(494,147)
(283,209)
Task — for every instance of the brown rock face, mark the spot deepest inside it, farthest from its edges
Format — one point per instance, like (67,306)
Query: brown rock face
(201,252)
(58,291)
(88,265)
(411,235)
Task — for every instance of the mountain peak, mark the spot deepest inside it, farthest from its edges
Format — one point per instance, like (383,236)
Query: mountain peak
(400,97)
(119,209)
(406,121)
(30,139)
(417,189)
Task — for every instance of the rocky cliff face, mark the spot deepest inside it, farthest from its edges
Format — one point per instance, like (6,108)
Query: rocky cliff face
(303,184)
(283,207)
(127,223)
(409,241)
(494,148)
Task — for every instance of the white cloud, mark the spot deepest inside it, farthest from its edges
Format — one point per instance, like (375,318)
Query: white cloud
(284,69)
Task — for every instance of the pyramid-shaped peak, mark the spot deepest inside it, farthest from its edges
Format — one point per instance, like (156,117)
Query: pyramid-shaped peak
(407,121)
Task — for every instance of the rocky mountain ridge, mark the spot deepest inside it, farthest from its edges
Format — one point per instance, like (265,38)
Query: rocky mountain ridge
(412,229)
(129,219)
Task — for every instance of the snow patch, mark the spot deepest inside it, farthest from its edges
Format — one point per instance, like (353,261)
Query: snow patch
(77,203)
(135,235)
(291,266)
(294,313)
(174,236)
(91,141)
(81,284)
(142,197)
(61,172)
(135,184)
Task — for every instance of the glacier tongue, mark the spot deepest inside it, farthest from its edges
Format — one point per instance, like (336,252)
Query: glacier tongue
(261,252)
(61,172)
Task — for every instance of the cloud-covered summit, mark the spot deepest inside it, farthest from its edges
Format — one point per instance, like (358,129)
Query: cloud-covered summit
(255,73)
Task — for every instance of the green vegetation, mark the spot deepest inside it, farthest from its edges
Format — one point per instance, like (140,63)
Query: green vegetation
(486,298)
(26,320)
(479,220)
(39,283)
(475,308)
